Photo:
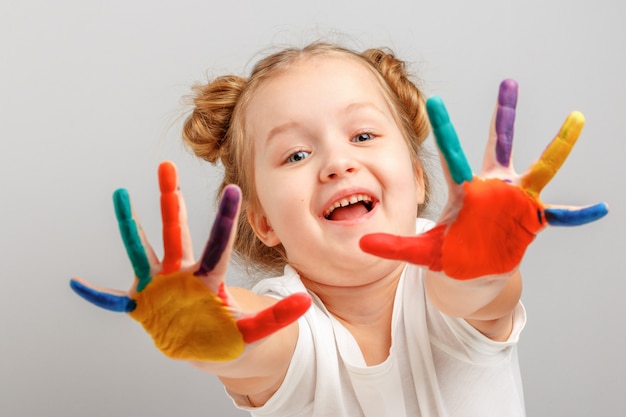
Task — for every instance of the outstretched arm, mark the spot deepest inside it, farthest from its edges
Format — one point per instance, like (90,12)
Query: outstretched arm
(185,306)
(474,251)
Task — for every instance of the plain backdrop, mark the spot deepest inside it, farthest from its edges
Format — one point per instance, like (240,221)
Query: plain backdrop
(91,100)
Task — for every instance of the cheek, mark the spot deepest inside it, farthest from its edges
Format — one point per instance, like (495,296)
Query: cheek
(400,167)
(410,187)
(283,199)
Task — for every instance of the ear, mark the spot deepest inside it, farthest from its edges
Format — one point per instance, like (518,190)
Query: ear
(420,184)
(262,227)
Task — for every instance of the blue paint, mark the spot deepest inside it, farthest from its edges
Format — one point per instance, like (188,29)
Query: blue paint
(575,217)
(111,302)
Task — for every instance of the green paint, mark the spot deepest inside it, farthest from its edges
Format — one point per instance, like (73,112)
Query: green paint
(130,236)
(448,141)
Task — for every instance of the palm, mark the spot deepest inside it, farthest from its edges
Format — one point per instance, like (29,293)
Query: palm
(490,219)
(183,304)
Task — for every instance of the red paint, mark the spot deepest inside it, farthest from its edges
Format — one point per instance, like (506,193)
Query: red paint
(489,235)
(494,227)
(274,318)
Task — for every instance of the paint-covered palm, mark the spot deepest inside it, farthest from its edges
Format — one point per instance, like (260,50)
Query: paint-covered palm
(181,303)
(489,219)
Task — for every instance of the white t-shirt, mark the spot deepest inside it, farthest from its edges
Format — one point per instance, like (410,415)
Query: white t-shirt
(437,365)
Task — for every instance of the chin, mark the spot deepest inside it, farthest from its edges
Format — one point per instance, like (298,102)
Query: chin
(336,264)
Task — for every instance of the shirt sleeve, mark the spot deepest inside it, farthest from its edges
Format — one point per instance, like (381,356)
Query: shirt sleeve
(458,338)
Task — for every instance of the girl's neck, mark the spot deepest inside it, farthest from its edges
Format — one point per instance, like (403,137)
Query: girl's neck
(366,311)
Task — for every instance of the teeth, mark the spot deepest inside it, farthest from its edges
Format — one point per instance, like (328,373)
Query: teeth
(347,201)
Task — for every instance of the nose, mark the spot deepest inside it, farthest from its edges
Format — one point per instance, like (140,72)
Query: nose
(338,164)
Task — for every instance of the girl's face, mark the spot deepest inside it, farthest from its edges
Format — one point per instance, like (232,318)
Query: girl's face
(330,165)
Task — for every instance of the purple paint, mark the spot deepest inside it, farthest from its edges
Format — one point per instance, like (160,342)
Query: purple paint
(220,234)
(505,121)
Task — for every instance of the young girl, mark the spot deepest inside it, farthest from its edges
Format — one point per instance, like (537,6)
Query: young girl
(322,153)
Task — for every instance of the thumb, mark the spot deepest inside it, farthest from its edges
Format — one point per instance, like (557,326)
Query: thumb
(424,249)
(111,300)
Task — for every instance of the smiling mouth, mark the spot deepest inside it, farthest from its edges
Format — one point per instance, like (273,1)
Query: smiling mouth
(349,207)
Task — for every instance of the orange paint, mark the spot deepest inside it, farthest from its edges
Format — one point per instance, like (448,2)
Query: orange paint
(170,213)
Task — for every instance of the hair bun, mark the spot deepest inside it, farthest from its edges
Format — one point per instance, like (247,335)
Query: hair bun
(411,99)
(206,130)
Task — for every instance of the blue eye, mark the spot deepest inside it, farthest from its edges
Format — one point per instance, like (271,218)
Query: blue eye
(298,156)
(363,137)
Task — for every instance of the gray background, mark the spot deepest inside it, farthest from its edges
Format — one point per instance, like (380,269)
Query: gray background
(90,96)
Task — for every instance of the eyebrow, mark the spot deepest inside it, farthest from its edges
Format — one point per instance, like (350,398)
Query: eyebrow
(352,107)
(363,106)
(277,130)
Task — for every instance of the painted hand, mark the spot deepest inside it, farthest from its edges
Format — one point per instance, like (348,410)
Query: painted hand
(184,304)
(489,220)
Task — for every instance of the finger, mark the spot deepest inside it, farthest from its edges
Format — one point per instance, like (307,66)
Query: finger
(170,210)
(131,237)
(176,237)
(222,236)
(448,141)
(424,249)
(108,299)
(542,171)
(500,144)
(274,318)
(575,216)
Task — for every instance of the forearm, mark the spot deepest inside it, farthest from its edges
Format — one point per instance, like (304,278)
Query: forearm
(486,303)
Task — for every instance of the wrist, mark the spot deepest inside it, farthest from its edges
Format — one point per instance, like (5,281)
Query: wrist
(469,298)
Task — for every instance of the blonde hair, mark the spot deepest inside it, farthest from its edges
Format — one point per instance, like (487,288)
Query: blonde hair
(215,130)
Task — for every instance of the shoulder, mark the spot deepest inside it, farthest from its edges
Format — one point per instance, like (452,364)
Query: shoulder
(423,224)
(282,286)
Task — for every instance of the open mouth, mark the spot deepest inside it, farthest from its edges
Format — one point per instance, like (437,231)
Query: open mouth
(349,207)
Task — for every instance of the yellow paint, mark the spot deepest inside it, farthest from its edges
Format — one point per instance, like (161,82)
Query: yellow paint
(186,320)
(542,171)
